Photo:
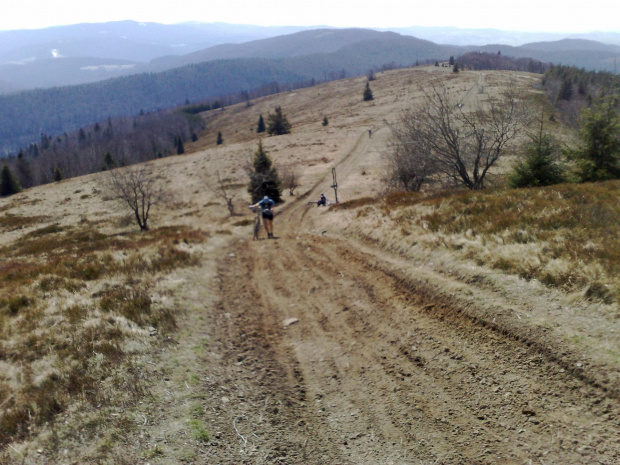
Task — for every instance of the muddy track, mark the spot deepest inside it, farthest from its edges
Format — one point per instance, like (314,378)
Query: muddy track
(380,368)
(372,374)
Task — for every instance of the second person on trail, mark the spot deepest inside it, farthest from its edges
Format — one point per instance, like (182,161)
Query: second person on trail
(266,205)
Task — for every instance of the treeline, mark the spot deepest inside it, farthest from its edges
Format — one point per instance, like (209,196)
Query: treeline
(491,61)
(24,116)
(572,89)
(116,142)
(271,88)
(124,141)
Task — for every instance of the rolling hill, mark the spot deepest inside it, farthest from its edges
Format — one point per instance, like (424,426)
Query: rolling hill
(315,55)
(389,328)
(85,53)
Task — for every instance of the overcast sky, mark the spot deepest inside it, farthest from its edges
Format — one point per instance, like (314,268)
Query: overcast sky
(516,15)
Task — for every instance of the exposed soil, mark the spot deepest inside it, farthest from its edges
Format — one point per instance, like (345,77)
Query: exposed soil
(332,351)
(376,371)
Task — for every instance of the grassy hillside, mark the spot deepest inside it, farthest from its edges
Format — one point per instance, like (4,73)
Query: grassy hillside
(105,332)
(565,237)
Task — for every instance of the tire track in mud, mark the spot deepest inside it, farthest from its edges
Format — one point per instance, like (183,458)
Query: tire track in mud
(378,378)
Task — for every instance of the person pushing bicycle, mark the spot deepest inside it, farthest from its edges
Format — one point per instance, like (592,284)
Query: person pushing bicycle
(266,205)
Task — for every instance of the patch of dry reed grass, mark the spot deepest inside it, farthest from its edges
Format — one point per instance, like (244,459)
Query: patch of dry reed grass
(566,236)
(60,345)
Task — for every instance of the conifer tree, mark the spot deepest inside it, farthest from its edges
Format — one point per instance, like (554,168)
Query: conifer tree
(598,156)
(278,124)
(325,121)
(566,90)
(24,172)
(220,139)
(261,124)
(264,178)
(57,176)
(108,161)
(368,93)
(539,167)
(8,183)
(180,147)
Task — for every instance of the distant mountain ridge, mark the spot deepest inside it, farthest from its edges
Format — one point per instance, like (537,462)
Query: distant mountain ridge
(229,69)
(86,53)
(27,55)
(465,37)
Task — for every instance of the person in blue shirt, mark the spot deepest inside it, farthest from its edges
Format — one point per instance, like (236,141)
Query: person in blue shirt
(266,205)
(322,201)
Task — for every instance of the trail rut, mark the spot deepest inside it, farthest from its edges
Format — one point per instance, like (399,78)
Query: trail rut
(381,370)
(375,375)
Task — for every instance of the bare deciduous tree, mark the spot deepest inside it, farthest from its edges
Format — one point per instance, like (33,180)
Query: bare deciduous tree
(459,143)
(219,188)
(409,162)
(290,179)
(136,187)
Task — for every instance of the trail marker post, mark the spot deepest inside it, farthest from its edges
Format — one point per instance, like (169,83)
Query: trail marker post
(335,184)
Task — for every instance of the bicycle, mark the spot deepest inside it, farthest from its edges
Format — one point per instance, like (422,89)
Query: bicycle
(257,223)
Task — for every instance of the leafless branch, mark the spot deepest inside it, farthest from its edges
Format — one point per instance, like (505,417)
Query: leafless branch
(218,187)
(137,187)
(290,179)
(440,135)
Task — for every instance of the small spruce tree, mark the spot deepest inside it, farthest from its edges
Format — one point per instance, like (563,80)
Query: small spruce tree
(180,147)
(598,156)
(368,93)
(325,121)
(566,90)
(108,162)
(8,183)
(57,176)
(220,139)
(24,172)
(277,124)
(261,124)
(539,167)
(264,178)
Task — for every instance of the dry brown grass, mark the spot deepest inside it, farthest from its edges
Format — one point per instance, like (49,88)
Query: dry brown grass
(60,345)
(565,236)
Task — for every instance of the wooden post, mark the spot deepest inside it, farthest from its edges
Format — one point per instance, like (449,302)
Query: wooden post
(335,184)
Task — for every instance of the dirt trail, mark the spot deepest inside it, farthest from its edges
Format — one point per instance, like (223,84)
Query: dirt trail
(375,372)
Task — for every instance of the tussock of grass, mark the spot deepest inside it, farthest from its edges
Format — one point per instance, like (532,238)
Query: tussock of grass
(135,304)
(565,236)
(244,222)
(51,229)
(356,203)
(199,432)
(56,354)
(12,222)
